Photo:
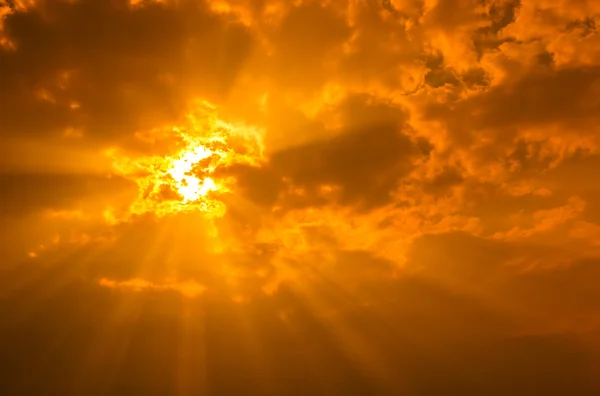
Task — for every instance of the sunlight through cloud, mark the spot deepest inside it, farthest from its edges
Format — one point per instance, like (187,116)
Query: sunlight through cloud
(187,179)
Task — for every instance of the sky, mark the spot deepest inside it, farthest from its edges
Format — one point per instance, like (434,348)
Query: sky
(269,197)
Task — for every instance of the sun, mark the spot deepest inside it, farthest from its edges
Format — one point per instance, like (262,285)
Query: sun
(188,178)
(187,184)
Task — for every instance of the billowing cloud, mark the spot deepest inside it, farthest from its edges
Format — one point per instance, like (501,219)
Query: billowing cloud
(274,197)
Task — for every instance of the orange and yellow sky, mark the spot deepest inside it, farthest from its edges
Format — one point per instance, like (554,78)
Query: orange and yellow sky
(277,197)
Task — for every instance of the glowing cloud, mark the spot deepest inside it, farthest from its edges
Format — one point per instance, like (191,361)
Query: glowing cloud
(186,179)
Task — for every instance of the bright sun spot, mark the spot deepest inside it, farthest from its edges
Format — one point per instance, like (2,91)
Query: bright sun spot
(190,187)
(187,179)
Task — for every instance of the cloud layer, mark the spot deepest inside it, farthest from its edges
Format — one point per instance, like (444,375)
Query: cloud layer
(412,207)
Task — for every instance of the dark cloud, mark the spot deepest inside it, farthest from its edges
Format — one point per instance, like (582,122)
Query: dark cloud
(23,193)
(301,54)
(475,260)
(258,184)
(502,13)
(365,158)
(443,181)
(566,293)
(126,67)
(539,99)
(366,164)
(373,57)
(488,269)
(576,175)
(151,344)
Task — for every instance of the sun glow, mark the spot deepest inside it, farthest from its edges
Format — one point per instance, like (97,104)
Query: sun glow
(187,184)
(187,179)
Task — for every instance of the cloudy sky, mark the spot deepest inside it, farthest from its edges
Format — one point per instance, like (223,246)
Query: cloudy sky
(277,197)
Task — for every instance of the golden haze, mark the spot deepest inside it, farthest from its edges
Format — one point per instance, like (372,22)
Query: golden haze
(353,197)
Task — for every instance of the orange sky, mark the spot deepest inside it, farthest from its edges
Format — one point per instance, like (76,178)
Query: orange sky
(269,197)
